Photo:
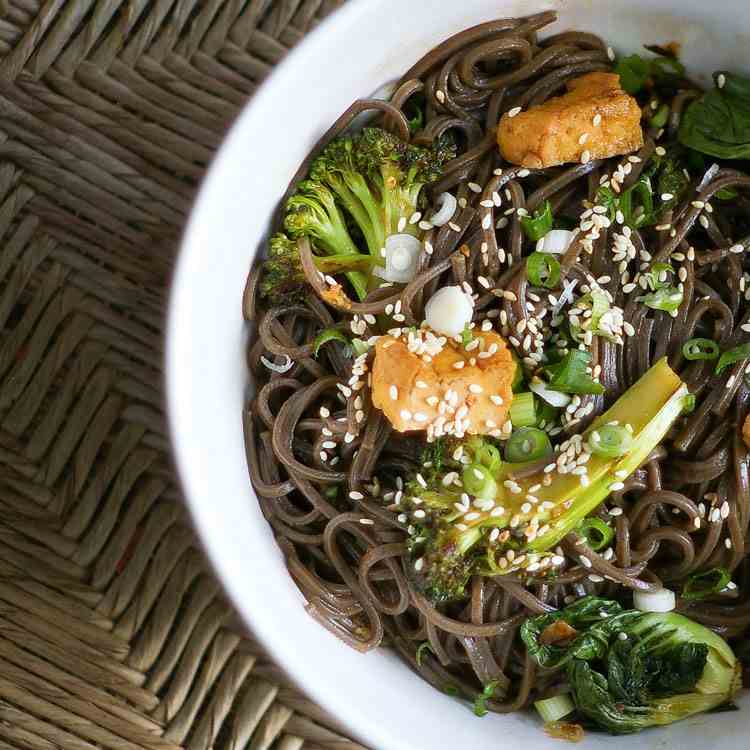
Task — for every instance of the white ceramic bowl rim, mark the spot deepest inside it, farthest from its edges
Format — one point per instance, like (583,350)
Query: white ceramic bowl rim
(374,695)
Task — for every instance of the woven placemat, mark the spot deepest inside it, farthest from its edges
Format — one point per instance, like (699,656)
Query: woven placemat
(113,631)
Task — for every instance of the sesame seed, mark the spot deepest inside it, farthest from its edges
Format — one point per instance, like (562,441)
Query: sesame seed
(728,543)
(474,187)
(667,196)
(329,444)
(703,220)
(721,79)
(419,513)
(354,495)
(610,54)
(440,96)
(737,249)
(402,224)
(348,437)
(586,157)
(697,522)
(452,225)
(725,509)
(474,388)
(622,636)
(585,562)
(615,511)
(595,578)
(472,516)
(405,414)
(583,138)
(513,112)
(597,120)
(393,391)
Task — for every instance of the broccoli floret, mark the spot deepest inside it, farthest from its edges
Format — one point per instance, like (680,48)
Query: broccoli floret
(283,279)
(359,188)
(312,212)
(445,552)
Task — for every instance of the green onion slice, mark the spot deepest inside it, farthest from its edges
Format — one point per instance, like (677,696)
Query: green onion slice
(688,405)
(660,117)
(730,356)
(597,534)
(359,347)
(701,585)
(489,456)
(554,709)
(479,482)
(543,269)
(667,299)
(610,440)
(700,349)
(480,702)
(570,375)
(523,410)
(326,335)
(537,225)
(527,444)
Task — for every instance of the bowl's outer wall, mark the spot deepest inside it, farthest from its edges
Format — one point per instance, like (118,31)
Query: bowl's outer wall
(363,45)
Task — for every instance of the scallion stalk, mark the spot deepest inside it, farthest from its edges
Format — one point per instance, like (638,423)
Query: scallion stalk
(523,410)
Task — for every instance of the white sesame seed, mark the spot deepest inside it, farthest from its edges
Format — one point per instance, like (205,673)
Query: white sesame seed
(597,120)
(405,414)
(393,392)
(583,138)
(354,495)
(725,509)
(472,516)
(440,96)
(586,157)
(721,79)
(513,112)
(474,187)
(610,53)
(585,561)
(419,513)
(402,224)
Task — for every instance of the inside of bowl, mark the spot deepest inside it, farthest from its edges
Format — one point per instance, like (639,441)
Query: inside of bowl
(366,44)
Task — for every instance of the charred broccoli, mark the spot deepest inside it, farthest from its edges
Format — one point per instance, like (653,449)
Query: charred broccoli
(360,190)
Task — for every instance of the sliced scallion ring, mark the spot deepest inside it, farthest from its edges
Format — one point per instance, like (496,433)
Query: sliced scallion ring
(479,482)
(598,535)
(543,269)
(700,349)
(527,444)
(610,440)
(446,204)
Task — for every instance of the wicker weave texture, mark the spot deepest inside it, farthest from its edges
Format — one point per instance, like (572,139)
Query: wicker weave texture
(113,632)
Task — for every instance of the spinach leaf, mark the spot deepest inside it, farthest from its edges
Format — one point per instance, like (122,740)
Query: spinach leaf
(718,124)
(635,71)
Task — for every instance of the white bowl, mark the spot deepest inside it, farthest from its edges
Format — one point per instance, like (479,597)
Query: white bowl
(363,45)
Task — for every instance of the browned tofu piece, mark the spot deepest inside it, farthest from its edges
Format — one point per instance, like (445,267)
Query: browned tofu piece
(746,431)
(596,119)
(431,393)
